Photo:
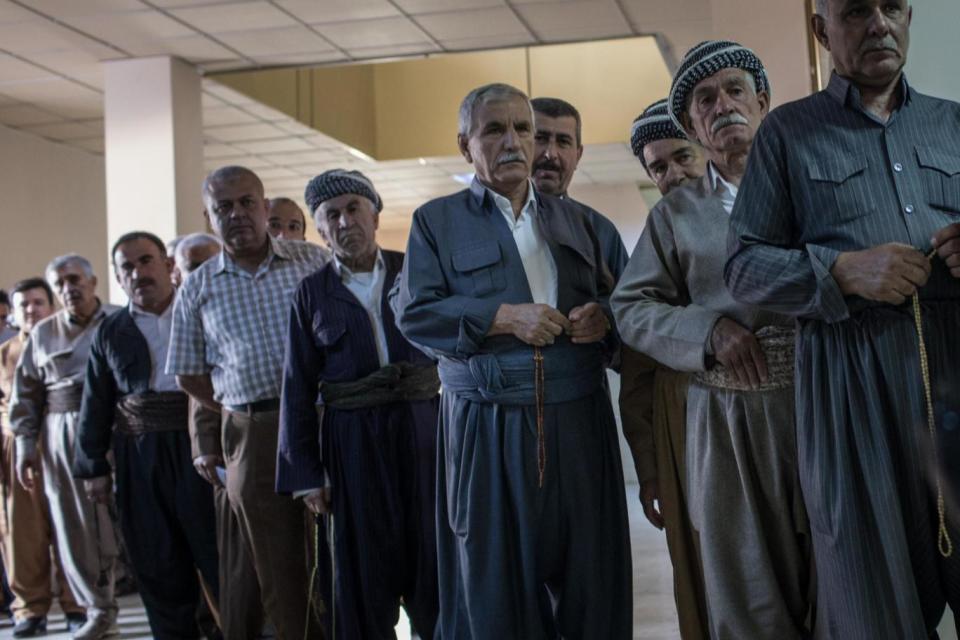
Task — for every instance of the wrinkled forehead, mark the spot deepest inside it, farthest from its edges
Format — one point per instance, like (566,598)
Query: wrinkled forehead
(36,294)
(502,109)
(233,186)
(343,201)
(562,125)
(285,211)
(723,77)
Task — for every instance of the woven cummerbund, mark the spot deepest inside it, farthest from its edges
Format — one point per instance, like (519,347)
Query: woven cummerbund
(778,344)
(139,413)
(64,399)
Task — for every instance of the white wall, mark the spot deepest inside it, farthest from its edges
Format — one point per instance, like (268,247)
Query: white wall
(52,201)
(935,48)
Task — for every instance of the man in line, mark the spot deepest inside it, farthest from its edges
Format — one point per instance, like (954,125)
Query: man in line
(508,287)
(371,461)
(653,398)
(847,193)
(166,510)
(558,148)
(47,391)
(176,276)
(240,609)
(285,219)
(671,304)
(6,331)
(226,350)
(28,544)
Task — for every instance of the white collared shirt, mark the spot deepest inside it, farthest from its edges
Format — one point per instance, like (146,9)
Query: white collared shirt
(538,262)
(156,331)
(726,190)
(368,289)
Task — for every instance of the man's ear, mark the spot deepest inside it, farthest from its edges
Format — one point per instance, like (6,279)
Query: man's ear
(819,25)
(764,99)
(579,153)
(463,143)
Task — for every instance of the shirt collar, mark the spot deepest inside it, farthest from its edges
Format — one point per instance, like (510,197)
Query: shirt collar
(844,91)
(480,191)
(717,181)
(137,311)
(71,319)
(279,249)
(346,274)
(505,206)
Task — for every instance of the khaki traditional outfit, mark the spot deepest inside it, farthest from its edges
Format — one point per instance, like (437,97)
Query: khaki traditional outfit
(47,391)
(29,549)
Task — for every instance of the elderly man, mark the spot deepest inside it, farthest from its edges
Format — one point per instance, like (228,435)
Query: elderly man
(285,219)
(671,304)
(558,148)
(193,250)
(848,210)
(508,287)
(653,398)
(166,510)
(227,352)
(374,450)
(28,544)
(47,390)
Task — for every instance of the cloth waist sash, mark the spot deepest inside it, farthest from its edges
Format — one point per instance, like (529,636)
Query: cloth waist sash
(139,413)
(396,382)
(778,344)
(64,399)
(570,372)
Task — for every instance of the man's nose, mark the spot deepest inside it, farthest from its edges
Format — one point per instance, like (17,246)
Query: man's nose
(878,26)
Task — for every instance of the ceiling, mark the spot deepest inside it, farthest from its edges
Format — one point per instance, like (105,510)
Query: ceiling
(51,82)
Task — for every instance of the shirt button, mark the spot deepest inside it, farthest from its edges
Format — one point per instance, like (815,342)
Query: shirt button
(897,167)
(908,208)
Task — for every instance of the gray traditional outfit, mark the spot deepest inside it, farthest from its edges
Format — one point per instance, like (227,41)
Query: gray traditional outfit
(826,176)
(532,529)
(743,489)
(46,402)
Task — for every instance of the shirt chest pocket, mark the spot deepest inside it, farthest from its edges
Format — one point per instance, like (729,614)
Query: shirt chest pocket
(839,189)
(941,178)
(480,265)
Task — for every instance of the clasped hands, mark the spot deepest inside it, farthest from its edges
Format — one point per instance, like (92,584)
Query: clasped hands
(540,324)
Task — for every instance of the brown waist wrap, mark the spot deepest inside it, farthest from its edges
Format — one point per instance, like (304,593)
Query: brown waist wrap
(778,344)
(396,382)
(64,399)
(139,413)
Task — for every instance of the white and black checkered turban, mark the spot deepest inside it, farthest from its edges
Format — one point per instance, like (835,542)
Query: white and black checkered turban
(706,59)
(337,182)
(653,124)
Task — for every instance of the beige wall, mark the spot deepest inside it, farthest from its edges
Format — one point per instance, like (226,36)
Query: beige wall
(54,202)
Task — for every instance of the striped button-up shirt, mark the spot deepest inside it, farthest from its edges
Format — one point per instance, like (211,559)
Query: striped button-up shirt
(826,176)
(232,324)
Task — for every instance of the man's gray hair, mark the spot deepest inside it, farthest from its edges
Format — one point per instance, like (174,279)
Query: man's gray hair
(67,260)
(195,240)
(481,95)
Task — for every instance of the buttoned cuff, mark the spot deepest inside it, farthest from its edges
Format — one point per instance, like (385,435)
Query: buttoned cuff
(475,321)
(830,302)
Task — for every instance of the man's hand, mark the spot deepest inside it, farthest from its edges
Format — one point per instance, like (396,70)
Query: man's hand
(98,489)
(887,273)
(28,466)
(206,466)
(947,243)
(737,349)
(588,324)
(535,324)
(318,501)
(650,499)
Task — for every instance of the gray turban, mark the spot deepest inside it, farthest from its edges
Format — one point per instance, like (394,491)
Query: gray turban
(652,125)
(337,182)
(706,59)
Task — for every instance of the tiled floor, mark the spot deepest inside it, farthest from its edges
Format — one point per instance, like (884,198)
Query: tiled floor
(655,617)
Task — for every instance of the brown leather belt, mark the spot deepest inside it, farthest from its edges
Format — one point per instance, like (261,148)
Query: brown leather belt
(140,413)
(64,399)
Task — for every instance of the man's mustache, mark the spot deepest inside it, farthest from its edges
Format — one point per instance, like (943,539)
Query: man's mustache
(887,44)
(144,282)
(727,120)
(547,165)
(511,156)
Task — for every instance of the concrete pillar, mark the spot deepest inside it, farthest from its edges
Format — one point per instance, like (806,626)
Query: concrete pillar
(153,144)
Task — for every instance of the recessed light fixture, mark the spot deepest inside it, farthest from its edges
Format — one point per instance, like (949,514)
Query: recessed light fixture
(356,153)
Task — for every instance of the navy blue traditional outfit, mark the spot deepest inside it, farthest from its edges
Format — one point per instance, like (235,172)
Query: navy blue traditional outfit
(532,531)
(826,176)
(166,509)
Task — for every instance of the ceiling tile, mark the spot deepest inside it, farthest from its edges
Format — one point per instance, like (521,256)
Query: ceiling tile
(14,71)
(245,160)
(225,93)
(277,172)
(209,100)
(32,37)
(313,12)
(71,63)
(128,27)
(10,12)
(384,32)
(22,114)
(219,116)
(488,42)
(264,112)
(243,132)
(454,25)
(240,16)
(275,42)
(61,8)
(431,6)
(196,48)
(59,96)
(94,145)
(295,128)
(171,4)
(63,130)
(575,20)
(274,146)
(394,51)
(302,159)
(657,11)
(219,150)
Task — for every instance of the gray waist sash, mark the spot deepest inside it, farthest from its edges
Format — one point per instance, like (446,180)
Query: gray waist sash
(396,382)
(139,413)
(64,399)
(778,344)
(570,372)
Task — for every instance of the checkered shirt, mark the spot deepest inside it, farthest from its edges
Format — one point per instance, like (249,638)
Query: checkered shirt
(232,324)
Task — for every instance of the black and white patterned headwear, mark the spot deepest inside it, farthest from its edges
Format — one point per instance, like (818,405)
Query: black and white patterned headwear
(706,59)
(337,182)
(653,124)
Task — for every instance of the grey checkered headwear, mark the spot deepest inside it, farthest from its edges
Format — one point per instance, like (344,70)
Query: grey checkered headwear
(652,125)
(337,182)
(706,59)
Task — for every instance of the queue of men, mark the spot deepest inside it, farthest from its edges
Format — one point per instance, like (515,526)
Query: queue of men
(266,415)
